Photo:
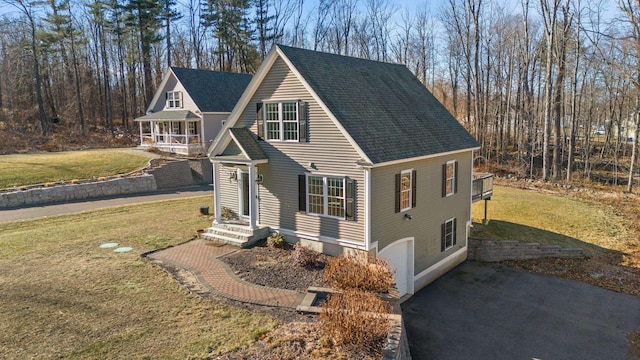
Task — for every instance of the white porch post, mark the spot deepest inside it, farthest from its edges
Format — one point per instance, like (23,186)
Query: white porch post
(216,195)
(141,137)
(200,137)
(253,200)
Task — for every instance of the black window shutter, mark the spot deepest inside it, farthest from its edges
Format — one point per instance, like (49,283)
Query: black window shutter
(398,191)
(443,236)
(302,193)
(444,180)
(455,181)
(302,122)
(260,120)
(350,197)
(413,188)
(454,231)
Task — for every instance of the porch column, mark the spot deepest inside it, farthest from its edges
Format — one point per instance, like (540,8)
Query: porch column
(141,137)
(200,134)
(253,200)
(216,195)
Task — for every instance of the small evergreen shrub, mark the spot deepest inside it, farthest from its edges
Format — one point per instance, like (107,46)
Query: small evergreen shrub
(276,240)
(363,271)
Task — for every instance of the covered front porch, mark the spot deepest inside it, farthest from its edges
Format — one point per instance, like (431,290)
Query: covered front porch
(174,131)
(236,179)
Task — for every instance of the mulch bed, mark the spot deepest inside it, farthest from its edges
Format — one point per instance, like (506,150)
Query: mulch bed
(274,267)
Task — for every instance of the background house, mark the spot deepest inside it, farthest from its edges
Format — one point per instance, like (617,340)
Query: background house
(342,153)
(189,109)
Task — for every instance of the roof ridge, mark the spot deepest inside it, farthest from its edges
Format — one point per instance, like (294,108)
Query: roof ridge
(316,52)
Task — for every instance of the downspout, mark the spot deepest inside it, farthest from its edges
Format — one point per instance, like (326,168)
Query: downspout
(368,244)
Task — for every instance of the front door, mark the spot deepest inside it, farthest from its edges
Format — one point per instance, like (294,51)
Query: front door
(244,194)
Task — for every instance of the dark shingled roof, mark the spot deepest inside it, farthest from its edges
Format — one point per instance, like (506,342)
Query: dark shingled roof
(248,143)
(212,91)
(385,109)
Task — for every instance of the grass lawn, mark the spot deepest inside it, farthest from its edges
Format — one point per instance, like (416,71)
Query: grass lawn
(65,297)
(27,169)
(531,216)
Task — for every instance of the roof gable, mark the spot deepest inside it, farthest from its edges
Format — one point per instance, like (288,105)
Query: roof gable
(384,108)
(212,91)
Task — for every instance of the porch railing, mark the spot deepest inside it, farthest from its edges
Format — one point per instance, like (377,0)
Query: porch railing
(482,186)
(179,144)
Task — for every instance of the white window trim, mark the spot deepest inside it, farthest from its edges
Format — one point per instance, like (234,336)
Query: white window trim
(453,232)
(325,197)
(280,120)
(452,179)
(402,173)
(171,97)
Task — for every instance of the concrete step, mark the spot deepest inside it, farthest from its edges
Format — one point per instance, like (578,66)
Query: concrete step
(227,240)
(230,233)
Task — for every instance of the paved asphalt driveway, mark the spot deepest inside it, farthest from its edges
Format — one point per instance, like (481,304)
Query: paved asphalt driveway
(36,211)
(487,311)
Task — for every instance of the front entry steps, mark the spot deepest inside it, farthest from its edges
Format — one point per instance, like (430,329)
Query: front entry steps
(235,234)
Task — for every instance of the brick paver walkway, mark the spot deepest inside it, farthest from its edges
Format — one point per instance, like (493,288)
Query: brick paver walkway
(202,259)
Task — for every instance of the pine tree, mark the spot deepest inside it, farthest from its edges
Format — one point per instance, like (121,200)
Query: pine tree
(145,16)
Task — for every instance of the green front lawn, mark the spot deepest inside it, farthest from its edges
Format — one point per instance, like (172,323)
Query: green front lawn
(65,297)
(27,169)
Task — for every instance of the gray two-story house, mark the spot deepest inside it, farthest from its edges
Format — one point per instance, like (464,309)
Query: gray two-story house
(343,153)
(189,109)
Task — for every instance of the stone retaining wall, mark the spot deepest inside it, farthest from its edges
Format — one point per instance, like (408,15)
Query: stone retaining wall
(489,250)
(171,174)
(161,174)
(397,345)
(201,171)
(62,193)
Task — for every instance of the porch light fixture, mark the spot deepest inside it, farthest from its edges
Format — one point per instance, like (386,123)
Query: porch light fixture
(233,175)
(408,216)
(259,179)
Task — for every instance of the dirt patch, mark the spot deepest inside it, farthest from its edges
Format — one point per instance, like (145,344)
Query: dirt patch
(274,267)
(300,341)
(592,271)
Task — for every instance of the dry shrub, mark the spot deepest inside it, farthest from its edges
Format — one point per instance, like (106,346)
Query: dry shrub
(303,256)
(355,318)
(276,240)
(363,271)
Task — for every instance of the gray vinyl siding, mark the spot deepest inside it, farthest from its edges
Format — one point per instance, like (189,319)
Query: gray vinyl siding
(431,208)
(327,149)
(228,189)
(212,125)
(173,85)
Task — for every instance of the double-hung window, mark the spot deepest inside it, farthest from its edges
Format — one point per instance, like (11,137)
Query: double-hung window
(405,190)
(174,99)
(448,234)
(282,121)
(449,178)
(324,195)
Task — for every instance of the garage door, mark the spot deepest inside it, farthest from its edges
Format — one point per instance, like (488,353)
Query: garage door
(400,255)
